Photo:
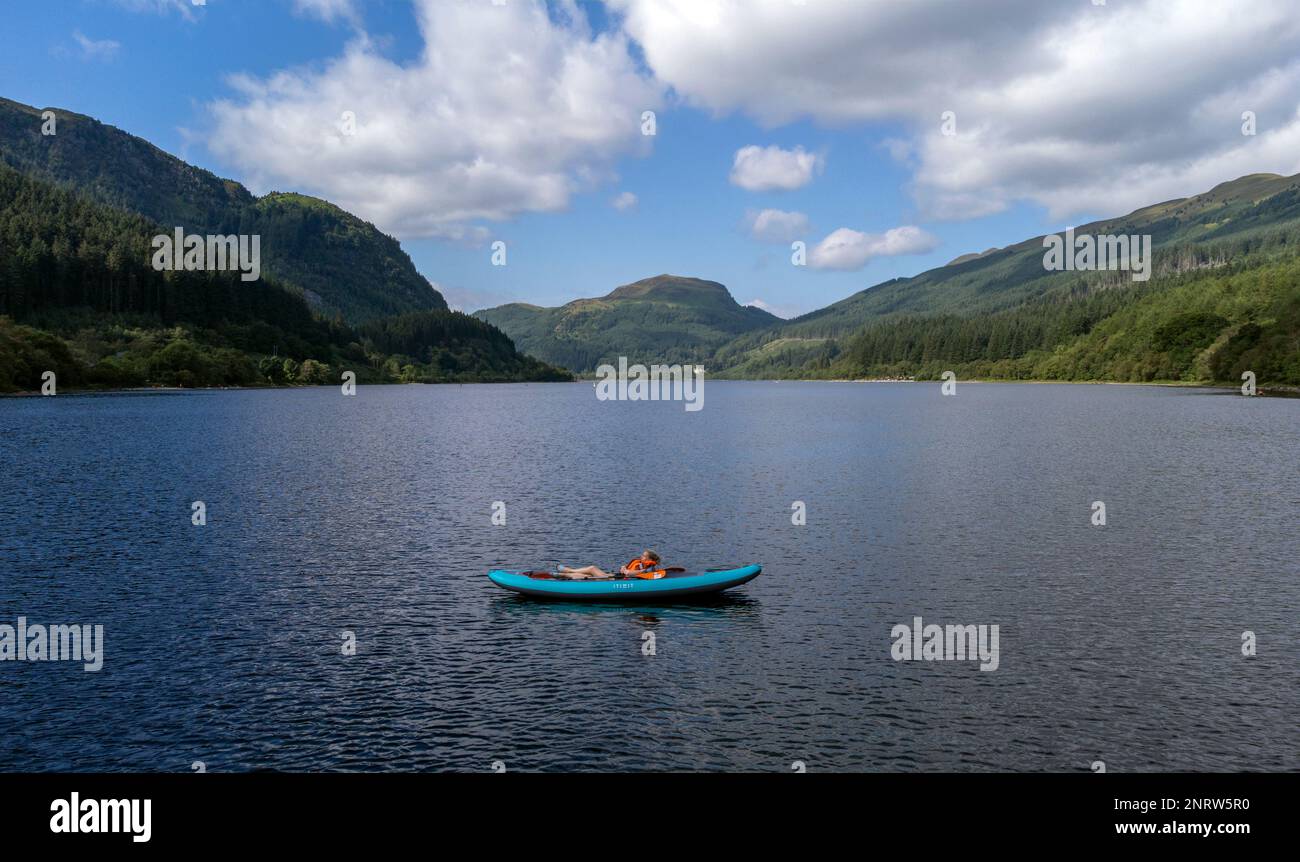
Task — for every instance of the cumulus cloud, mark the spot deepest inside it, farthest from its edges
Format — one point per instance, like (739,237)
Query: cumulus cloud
(1079,108)
(776,226)
(762,169)
(459,135)
(847,249)
(624,202)
(96,49)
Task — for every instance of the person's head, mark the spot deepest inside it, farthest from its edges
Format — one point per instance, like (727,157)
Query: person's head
(650,555)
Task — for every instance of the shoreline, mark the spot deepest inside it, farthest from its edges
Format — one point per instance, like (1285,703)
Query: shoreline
(75,390)
(1281,390)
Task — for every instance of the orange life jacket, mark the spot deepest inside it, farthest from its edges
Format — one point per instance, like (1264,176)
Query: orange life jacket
(642,569)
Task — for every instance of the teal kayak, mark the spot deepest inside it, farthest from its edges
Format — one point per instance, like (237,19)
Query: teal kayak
(671,586)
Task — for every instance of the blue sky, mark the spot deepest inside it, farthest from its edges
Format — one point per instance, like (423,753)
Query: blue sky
(156,70)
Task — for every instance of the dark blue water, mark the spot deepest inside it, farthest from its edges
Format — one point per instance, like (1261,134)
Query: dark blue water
(372,515)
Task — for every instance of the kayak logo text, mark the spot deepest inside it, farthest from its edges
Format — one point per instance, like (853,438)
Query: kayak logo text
(75,814)
(945,643)
(656,383)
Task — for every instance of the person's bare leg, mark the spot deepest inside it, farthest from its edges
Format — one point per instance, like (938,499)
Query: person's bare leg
(584,572)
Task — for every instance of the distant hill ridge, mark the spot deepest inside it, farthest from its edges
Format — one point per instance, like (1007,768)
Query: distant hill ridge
(1234,219)
(667,319)
(996,313)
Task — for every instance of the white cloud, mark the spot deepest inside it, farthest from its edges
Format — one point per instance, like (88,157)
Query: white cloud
(780,311)
(761,169)
(328,10)
(184,8)
(847,249)
(461,134)
(624,202)
(776,226)
(1076,107)
(96,49)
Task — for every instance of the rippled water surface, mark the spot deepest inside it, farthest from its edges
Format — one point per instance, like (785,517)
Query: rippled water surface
(372,515)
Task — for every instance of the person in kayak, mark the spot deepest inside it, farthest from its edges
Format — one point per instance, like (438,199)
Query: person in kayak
(644,566)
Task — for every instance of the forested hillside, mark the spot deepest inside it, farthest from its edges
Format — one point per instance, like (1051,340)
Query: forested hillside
(1206,324)
(337,261)
(1223,298)
(79,297)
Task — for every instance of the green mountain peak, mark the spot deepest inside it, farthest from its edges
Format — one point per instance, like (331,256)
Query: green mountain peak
(664,319)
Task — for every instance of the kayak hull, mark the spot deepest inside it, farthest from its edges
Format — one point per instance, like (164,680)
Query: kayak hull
(688,585)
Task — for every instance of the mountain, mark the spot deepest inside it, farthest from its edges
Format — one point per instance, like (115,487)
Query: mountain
(338,262)
(79,296)
(78,208)
(1223,283)
(1223,298)
(667,319)
(1002,278)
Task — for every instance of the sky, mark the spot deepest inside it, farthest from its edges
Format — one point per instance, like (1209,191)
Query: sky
(886,137)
